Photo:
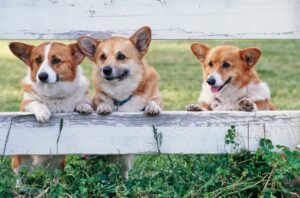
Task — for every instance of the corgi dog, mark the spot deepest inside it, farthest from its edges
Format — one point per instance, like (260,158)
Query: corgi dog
(122,80)
(230,82)
(54,84)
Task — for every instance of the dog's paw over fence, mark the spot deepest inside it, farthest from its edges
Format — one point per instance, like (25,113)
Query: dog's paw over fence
(171,132)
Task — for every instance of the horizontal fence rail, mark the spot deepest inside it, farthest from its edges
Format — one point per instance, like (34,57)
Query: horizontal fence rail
(169,19)
(122,133)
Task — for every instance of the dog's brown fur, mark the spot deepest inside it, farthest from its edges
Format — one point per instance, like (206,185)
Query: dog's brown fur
(240,70)
(131,79)
(42,99)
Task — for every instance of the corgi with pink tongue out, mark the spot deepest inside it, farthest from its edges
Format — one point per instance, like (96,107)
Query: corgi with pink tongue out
(230,82)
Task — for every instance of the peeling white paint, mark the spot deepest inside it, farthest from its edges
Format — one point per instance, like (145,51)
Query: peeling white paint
(128,133)
(169,19)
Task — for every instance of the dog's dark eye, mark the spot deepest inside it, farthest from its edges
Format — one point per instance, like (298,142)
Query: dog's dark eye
(103,57)
(225,65)
(38,60)
(210,64)
(121,56)
(55,60)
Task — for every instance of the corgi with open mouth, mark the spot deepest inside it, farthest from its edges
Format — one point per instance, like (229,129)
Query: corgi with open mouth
(230,82)
(122,80)
(54,84)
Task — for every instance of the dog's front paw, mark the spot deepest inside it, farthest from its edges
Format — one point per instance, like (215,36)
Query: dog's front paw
(104,109)
(42,113)
(152,108)
(83,108)
(193,107)
(247,105)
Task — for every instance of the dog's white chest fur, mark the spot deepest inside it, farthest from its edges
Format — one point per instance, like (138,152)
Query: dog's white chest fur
(62,96)
(227,99)
(122,91)
(136,103)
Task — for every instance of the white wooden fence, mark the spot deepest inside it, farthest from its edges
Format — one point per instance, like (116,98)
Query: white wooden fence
(120,133)
(176,132)
(169,19)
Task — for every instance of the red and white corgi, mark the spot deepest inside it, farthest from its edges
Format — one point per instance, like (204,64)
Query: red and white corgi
(122,80)
(229,80)
(54,84)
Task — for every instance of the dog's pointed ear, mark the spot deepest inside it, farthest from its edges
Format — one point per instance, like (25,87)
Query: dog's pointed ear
(76,53)
(22,51)
(141,40)
(200,51)
(88,46)
(250,56)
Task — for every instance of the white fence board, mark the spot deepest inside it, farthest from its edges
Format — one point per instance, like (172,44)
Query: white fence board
(122,133)
(169,19)
(5,123)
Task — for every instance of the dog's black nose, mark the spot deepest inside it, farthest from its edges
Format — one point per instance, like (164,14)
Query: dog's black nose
(107,70)
(211,81)
(43,76)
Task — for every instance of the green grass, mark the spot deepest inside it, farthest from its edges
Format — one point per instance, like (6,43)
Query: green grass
(168,176)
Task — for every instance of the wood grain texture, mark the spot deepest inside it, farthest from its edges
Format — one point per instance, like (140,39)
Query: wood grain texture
(169,19)
(5,126)
(122,133)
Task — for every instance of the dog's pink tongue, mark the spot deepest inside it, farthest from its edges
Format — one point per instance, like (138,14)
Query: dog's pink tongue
(214,89)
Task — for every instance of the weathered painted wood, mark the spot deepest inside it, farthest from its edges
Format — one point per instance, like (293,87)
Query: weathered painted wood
(5,124)
(120,133)
(169,19)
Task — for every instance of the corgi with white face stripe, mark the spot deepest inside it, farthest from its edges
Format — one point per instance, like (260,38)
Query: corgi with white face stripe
(54,84)
(45,73)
